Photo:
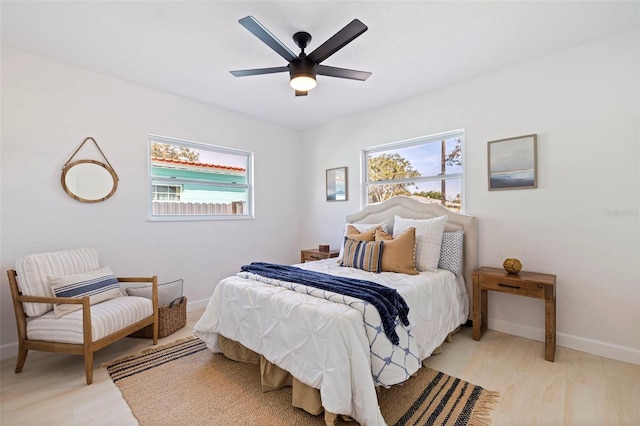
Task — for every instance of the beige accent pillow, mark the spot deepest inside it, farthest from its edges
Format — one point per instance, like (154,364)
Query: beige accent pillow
(360,227)
(398,254)
(368,235)
(351,232)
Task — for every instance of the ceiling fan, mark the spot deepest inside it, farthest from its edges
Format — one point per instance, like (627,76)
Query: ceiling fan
(303,68)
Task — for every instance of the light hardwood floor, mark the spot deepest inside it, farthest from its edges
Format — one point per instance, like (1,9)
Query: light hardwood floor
(576,389)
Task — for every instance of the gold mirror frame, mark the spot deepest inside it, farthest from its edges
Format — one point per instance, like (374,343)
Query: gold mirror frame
(83,195)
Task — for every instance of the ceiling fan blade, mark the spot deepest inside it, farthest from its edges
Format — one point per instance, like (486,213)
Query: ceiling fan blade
(258,71)
(340,39)
(258,30)
(343,73)
(301,93)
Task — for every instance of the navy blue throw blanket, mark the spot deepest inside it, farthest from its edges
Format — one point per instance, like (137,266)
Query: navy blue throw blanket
(387,301)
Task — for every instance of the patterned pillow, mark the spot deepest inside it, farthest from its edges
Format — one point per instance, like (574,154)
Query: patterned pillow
(398,254)
(451,254)
(365,255)
(100,285)
(360,227)
(428,239)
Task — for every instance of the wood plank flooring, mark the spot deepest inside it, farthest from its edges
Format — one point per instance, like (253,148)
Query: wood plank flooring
(576,389)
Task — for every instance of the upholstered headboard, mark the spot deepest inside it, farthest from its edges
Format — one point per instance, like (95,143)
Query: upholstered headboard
(413,208)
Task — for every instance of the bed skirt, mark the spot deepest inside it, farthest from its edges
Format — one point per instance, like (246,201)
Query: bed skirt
(273,377)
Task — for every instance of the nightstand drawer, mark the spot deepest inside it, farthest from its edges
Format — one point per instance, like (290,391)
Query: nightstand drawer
(513,286)
(311,255)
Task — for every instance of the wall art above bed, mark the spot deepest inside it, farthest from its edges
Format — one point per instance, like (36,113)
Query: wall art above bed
(337,184)
(512,163)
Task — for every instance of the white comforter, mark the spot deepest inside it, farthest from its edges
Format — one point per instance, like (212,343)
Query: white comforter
(324,344)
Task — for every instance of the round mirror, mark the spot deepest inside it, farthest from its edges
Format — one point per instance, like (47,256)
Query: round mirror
(89,181)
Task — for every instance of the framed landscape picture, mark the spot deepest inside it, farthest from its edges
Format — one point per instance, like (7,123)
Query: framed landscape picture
(337,184)
(512,163)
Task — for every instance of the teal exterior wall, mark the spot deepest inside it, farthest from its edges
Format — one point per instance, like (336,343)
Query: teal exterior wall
(193,192)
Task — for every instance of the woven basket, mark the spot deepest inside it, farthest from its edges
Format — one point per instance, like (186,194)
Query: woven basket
(170,319)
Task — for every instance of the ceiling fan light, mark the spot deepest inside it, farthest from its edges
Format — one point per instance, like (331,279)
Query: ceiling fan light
(302,72)
(303,82)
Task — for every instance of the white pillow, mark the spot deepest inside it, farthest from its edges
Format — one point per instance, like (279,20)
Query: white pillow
(428,239)
(99,285)
(361,227)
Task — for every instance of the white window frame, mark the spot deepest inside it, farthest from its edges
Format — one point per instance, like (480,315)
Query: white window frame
(155,180)
(407,143)
(163,183)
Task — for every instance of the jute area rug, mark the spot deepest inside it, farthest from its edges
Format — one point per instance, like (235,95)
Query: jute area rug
(183,383)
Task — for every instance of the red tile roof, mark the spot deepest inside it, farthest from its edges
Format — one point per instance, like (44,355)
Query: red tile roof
(196,164)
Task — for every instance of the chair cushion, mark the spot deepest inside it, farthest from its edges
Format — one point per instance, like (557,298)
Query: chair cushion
(106,318)
(99,285)
(34,271)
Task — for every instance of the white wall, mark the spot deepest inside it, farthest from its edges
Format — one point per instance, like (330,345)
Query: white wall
(47,111)
(581,223)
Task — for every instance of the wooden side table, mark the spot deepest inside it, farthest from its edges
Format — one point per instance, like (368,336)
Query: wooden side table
(530,284)
(309,255)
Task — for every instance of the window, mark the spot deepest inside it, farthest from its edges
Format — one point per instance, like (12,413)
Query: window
(166,192)
(194,181)
(430,167)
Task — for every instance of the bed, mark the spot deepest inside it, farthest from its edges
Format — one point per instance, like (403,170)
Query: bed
(336,354)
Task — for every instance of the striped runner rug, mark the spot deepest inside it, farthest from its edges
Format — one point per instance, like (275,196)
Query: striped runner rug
(184,383)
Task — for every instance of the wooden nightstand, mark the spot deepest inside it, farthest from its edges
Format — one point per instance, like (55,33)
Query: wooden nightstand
(309,255)
(530,284)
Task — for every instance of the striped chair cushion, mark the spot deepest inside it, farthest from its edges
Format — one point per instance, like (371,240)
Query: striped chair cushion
(106,318)
(99,285)
(34,271)
(365,255)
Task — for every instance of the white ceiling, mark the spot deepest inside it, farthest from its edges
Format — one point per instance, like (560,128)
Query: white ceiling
(187,48)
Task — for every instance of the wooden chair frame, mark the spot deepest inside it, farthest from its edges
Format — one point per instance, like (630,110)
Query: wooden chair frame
(88,347)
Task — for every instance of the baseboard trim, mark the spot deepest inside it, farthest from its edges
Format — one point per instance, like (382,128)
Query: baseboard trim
(198,304)
(595,347)
(607,350)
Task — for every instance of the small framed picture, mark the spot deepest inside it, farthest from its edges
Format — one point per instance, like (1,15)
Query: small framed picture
(513,163)
(337,184)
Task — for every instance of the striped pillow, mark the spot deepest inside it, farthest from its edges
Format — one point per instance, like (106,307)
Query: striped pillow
(99,285)
(365,255)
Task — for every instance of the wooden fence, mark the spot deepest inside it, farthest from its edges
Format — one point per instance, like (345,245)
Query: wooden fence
(212,209)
